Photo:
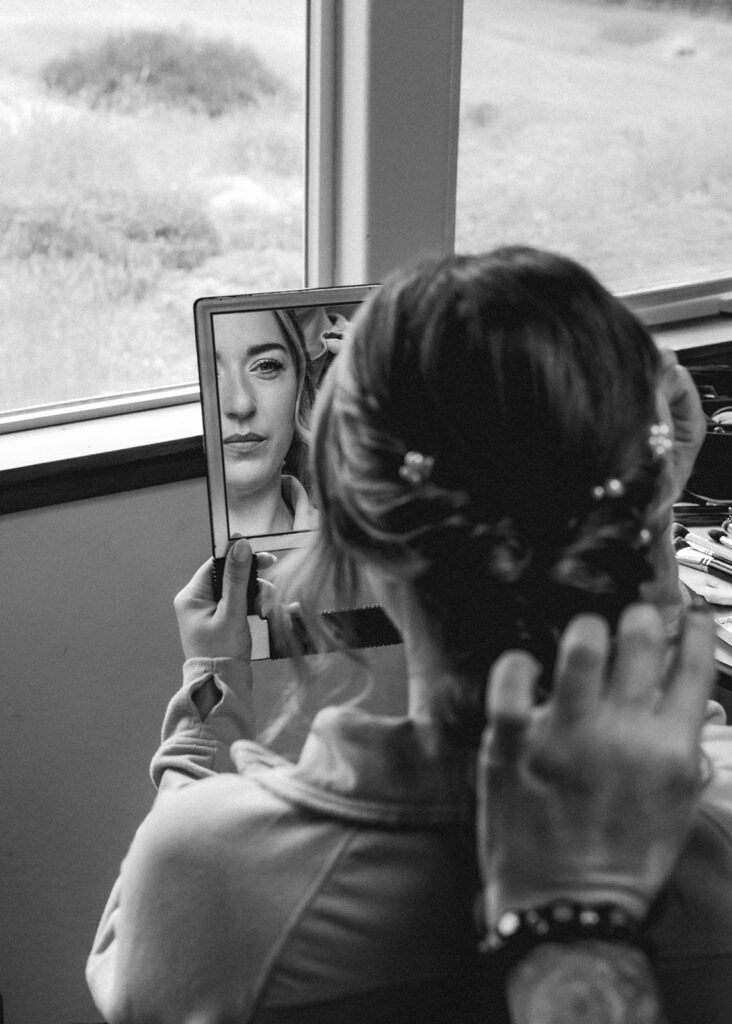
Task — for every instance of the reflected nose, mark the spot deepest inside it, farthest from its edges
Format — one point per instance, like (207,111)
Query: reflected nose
(238,401)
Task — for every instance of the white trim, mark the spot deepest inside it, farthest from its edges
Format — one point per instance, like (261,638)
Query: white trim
(75,440)
(384,90)
(682,302)
(691,334)
(59,413)
(319,143)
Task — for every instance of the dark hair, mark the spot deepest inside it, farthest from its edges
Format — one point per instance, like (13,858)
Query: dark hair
(529,385)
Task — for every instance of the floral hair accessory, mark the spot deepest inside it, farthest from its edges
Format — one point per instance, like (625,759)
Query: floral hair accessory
(660,439)
(612,488)
(660,442)
(416,468)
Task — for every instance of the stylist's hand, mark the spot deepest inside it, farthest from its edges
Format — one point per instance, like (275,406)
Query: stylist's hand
(679,393)
(336,336)
(590,796)
(211,630)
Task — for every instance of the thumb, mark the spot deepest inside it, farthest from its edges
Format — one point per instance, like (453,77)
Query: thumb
(237,571)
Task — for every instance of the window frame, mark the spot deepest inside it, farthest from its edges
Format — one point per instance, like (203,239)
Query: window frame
(382,123)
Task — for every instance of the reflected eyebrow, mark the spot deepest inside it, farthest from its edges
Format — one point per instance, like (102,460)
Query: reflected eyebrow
(257,350)
(267,346)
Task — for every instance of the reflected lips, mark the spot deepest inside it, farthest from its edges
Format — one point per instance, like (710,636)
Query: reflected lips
(242,444)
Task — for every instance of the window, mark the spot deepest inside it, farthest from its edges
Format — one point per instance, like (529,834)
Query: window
(601,129)
(596,127)
(150,152)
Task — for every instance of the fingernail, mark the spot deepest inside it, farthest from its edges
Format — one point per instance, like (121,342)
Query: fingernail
(241,551)
(266,558)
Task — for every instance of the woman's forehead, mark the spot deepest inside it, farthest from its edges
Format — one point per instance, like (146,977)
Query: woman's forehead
(236,334)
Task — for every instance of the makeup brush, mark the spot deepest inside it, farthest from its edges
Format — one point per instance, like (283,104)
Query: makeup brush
(699,543)
(689,556)
(720,537)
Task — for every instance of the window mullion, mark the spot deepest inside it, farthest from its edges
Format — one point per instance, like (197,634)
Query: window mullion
(382,146)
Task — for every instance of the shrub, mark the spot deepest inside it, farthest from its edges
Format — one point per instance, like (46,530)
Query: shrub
(139,233)
(141,68)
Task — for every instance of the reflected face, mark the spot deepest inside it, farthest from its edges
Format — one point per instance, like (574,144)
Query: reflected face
(257,379)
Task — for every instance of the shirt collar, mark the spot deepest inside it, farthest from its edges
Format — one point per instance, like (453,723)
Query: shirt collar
(373,769)
(305,516)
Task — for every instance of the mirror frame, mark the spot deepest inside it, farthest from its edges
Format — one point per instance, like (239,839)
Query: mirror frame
(205,309)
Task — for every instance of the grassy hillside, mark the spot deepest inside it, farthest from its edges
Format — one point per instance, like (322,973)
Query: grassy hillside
(601,130)
(120,204)
(597,128)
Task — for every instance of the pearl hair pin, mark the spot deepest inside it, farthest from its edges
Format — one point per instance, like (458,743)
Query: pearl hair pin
(612,488)
(660,443)
(660,439)
(416,468)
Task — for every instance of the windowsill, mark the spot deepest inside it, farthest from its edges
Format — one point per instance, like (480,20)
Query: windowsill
(693,338)
(67,462)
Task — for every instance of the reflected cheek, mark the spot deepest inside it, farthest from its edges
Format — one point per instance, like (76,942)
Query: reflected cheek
(282,419)
(284,436)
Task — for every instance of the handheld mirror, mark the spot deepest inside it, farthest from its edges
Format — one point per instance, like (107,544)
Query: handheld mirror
(261,358)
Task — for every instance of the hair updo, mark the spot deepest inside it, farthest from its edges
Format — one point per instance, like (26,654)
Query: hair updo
(529,385)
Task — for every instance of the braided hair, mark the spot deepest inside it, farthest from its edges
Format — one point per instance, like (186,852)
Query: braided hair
(527,384)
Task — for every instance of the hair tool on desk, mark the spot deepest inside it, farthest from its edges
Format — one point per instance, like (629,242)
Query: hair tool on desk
(701,544)
(694,559)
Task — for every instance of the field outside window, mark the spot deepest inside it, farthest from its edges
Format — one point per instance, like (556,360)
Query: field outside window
(150,152)
(601,129)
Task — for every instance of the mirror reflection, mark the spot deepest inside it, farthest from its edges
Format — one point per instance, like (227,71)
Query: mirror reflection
(269,363)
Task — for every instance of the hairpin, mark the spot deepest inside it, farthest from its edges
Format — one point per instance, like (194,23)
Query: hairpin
(645,538)
(612,488)
(416,468)
(660,439)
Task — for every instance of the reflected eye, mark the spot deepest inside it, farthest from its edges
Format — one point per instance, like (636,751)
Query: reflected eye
(268,368)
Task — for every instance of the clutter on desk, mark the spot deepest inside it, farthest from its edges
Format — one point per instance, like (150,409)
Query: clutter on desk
(707,500)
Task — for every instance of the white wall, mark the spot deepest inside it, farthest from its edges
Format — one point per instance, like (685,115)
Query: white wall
(89,656)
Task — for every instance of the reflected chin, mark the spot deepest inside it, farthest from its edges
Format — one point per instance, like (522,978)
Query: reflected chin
(248,470)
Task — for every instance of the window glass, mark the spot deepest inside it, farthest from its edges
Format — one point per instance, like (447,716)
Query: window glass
(601,129)
(151,151)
